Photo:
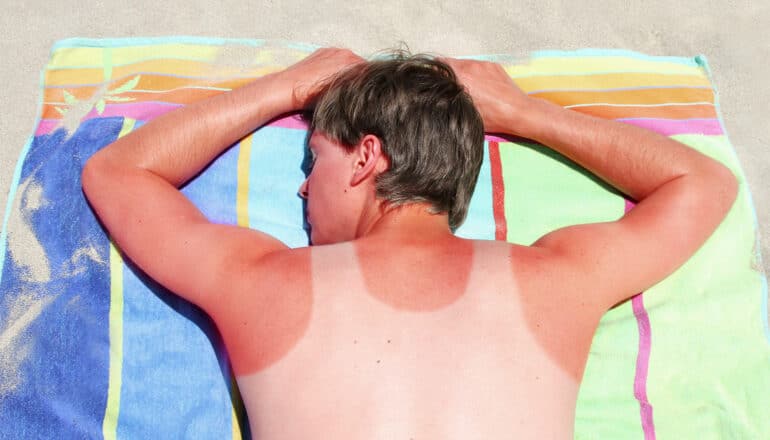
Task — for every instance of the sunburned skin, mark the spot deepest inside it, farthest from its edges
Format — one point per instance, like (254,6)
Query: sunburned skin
(459,340)
(443,278)
(262,325)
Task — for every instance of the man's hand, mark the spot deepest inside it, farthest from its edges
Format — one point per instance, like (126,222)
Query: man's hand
(494,94)
(305,76)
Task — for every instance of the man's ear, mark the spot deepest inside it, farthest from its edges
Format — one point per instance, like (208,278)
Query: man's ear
(370,160)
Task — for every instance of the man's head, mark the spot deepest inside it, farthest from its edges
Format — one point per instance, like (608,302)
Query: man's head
(411,110)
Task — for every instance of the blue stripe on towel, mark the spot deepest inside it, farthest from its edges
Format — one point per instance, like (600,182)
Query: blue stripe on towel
(62,353)
(275,175)
(175,375)
(480,222)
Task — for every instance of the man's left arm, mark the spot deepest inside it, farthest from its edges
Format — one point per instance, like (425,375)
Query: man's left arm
(132,183)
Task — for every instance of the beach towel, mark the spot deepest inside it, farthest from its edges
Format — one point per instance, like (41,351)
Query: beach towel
(92,348)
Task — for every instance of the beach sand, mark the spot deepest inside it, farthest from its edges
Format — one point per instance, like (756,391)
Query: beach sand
(730,33)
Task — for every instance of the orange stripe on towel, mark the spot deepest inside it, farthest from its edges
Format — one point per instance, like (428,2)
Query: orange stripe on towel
(629,97)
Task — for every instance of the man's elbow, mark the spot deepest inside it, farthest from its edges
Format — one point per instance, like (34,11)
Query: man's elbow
(725,187)
(732,185)
(89,174)
(94,174)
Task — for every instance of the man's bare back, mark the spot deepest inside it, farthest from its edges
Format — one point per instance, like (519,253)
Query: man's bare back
(461,339)
(394,327)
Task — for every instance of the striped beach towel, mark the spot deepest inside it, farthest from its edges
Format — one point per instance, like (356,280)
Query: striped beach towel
(90,347)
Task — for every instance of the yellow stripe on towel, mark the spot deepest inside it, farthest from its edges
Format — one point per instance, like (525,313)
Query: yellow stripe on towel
(596,64)
(242,217)
(242,197)
(110,422)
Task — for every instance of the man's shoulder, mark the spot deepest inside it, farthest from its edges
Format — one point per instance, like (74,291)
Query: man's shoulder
(298,263)
(281,274)
(284,255)
(290,262)
(517,254)
(537,271)
(485,249)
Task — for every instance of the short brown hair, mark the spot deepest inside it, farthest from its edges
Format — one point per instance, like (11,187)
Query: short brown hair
(429,128)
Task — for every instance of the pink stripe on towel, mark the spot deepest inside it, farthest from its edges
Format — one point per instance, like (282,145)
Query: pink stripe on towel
(669,127)
(642,364)
(642,358)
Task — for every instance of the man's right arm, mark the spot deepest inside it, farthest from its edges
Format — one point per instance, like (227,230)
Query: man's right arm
(681,194)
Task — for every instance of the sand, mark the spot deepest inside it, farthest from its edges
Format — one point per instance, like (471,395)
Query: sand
(730,33)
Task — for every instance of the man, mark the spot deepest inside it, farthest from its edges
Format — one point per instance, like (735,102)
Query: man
(391,326)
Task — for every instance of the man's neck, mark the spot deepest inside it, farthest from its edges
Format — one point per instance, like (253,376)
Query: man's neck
(407,223)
